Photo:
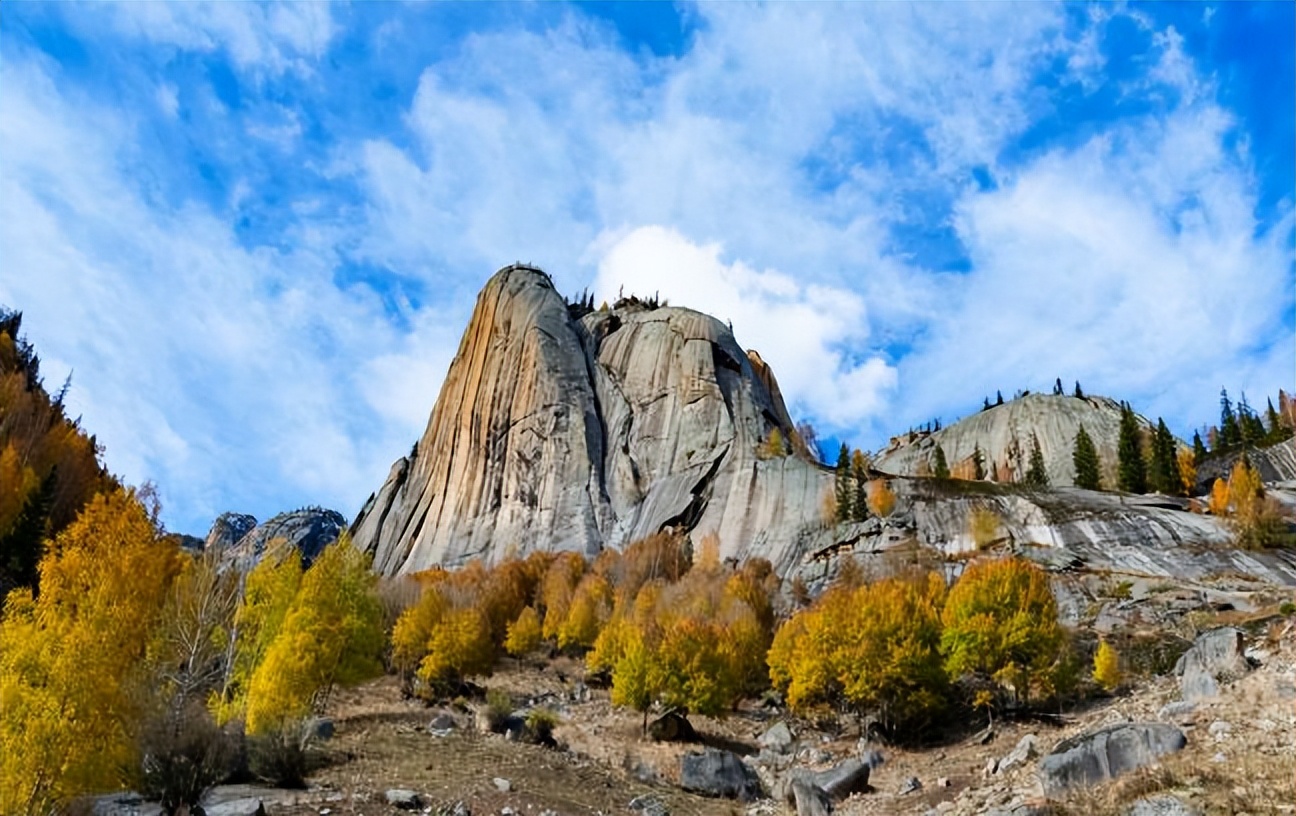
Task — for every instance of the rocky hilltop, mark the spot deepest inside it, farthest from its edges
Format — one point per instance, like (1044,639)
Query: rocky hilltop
(1004,432)
(242,541)
(557,430)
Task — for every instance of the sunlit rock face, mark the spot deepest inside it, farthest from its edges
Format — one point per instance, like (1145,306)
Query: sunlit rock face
(560,431)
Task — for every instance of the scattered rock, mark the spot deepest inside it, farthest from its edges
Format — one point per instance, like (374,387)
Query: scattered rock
(1162,805)
(1220,729)
(840,781)
(719,773)
(872,758)
(649,805)
(1182,712)
(403,798)
(943,782)
(777,737)
(321,728)
(1024,752)
(442,724)
(1106,754)
(810,799)
(672,727)
(502,784)
(1216,655)
(910,785)
(991,768)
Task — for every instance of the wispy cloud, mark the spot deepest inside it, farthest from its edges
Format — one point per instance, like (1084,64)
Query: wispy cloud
(256,235)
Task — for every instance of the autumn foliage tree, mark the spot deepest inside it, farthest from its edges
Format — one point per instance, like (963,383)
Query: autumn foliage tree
(1000,622)
(869,648)
(49,466)
(74,667)
(1106,667)
(331,635)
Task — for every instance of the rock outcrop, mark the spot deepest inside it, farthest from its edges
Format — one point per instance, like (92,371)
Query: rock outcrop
(1106,754)
(228,529)
(1003,433)
(554,432)
(309,530)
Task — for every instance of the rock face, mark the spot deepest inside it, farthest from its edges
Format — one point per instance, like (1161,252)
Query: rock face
(228,529)
(1276,463)
(1106,754)
(1003,434)
(558,433)
(309,530)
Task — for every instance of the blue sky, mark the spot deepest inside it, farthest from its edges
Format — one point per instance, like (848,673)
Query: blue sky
(254,233)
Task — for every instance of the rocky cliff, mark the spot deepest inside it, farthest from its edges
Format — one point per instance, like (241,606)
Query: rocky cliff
(1004,435)
(242,541)
(559,432)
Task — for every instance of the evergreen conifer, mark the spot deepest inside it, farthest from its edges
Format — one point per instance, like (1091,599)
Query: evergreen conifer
(1036,475)
(1085,458)
(1131,469)
(940,466)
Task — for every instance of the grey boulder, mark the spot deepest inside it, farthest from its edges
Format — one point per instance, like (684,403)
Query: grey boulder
(719,773)
(810,799)
(1218,655)
(1106,754)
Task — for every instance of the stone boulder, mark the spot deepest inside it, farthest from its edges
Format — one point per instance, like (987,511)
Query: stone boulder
(810,799)
(1106,754)
(778,737)
(672,727)
(1217,655)
(1162,805)
(719,773)
(838,782)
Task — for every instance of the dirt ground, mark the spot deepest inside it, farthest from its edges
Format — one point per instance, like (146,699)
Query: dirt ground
(1241,754)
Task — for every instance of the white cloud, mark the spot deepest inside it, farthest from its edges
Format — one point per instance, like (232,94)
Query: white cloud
(272,38)
(225,373)
(168,99)
(1134,263)
(801,330)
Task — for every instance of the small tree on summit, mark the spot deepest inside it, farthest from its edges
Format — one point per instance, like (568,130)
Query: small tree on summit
(1085,458)
(1036,474)
(1078,393)
(1131,470)
(1057,387)
(1230,433)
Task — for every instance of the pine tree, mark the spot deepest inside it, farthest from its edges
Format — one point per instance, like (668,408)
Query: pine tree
(1230,434)
(1036,475)
(1085,458)
(844,494)
(1274,431)
(1057,387)
(1253,431)
(978,463)
(939,466)
(859,476)
(1165,463)
(1131,469)
(1199,449)
(986,405)
(998,398)
(1078,393)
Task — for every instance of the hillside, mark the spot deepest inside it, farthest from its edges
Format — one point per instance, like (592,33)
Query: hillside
(1004,434)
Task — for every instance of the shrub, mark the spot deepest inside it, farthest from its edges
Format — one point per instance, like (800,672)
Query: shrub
(1106,668)
(499,707)
(282,756)
(183,756)
(1287,608)
(540,725)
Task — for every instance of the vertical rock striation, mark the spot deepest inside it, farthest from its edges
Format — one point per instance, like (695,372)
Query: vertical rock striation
(558,433)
